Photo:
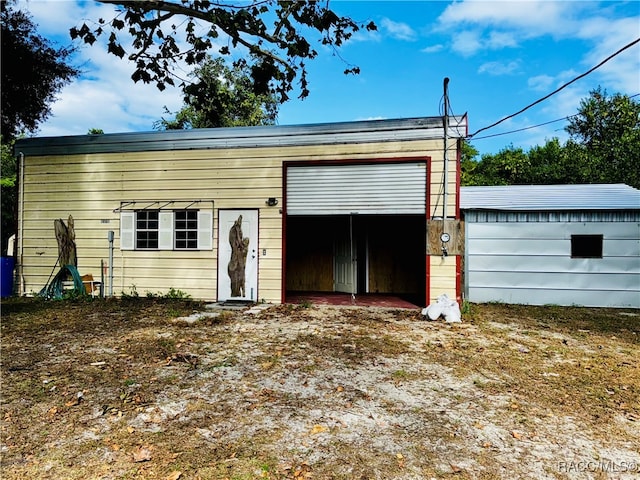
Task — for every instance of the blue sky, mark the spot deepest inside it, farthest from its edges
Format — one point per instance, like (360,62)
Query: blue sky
(499,56)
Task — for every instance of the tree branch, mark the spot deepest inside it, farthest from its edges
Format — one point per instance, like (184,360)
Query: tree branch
(208,16)
(277,52)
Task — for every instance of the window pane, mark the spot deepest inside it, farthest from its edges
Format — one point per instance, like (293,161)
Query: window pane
(586,246)
(186,229)
(147,229)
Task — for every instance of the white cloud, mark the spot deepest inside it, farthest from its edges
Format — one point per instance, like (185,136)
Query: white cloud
(359,119)
(433,48)
(532,16)
(466,43)
(563,104)
(399,31)
(473,40)
(566,102)
(609,36)
(499,68)
(470,42)
(108,99)
(104,96)
(498,25)
(541,82)
(483,26)
(52,20)
(499,40)
(364,35)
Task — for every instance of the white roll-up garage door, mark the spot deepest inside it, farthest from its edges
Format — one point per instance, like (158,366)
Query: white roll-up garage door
(342,189)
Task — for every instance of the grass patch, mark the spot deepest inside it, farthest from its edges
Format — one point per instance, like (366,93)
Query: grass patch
(570,357)
(354,347)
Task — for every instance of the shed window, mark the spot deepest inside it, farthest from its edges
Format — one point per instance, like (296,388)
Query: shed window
(166,230)
(586,246)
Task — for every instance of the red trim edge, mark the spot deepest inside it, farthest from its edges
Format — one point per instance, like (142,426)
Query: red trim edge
(459,278)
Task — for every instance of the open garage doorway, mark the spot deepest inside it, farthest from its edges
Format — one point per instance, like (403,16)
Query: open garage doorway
(357,255)
(356,228)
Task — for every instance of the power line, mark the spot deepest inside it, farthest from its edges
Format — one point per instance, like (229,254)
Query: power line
(522,129)
(538,125)
(558,89)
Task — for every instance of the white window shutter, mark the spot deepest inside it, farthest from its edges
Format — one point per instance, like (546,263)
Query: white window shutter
(165,230)
(127,230)
(205,230)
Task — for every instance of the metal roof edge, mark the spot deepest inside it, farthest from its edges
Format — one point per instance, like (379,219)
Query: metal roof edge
(557,209)
(569,197)
(237,137)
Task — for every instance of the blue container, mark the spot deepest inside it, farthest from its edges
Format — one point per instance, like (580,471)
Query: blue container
(6,276)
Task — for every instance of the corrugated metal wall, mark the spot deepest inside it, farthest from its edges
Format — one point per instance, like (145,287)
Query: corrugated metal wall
(525,258)
(343,189)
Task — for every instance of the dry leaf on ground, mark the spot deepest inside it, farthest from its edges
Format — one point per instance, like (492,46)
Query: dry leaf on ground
(142,454)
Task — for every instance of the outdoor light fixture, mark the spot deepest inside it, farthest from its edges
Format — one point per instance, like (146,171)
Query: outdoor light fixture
(272,201)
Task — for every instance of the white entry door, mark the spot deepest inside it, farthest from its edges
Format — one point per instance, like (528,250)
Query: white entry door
(238,255)
(344,260)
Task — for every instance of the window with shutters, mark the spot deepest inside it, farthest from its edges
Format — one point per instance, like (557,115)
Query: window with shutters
(166,230)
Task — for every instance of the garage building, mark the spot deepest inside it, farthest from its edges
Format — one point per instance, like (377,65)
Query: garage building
(249,213)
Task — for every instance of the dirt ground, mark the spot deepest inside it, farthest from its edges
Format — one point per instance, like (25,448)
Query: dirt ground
(144,389)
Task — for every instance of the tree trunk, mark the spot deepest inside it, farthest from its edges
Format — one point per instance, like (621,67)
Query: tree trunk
(66,237)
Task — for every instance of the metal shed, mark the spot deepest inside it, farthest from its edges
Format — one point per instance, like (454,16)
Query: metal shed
(552,244)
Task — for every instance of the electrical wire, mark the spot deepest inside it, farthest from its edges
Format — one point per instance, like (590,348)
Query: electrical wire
(538,125)
(524,128)
(629,45)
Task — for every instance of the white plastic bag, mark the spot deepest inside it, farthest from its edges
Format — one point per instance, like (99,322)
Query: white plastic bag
(433,311)
(443,307)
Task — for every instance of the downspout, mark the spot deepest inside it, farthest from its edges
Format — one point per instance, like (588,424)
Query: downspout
(21,222)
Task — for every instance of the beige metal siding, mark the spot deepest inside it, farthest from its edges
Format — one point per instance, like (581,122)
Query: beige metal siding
(91,187)
(436,181)
(443,271)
